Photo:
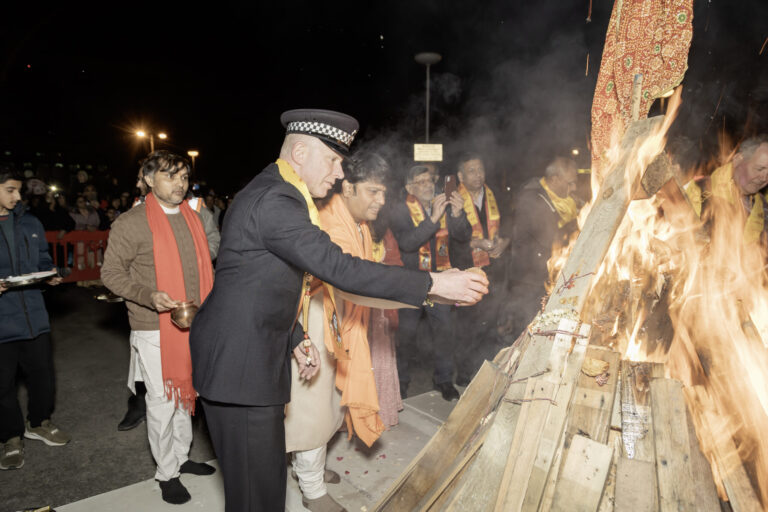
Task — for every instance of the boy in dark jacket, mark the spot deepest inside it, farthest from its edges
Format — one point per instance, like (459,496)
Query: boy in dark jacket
(25,340)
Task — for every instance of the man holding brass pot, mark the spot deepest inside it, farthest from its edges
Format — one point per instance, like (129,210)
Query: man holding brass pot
(157,258)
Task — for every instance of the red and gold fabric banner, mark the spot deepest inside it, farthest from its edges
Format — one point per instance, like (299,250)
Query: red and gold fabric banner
(647,37)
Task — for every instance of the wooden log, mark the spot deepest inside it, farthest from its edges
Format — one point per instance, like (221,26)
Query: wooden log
(738,487)
(592,405)
(635,486)
(704,481)
(539,394)
(583,476)
(608,499)
(480,484)
(478,400)
(551,440)
(672,446)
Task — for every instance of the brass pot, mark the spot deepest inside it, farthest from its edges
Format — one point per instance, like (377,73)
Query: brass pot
(182,315)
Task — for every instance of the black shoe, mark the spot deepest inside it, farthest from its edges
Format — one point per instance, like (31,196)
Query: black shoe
(197,468)
(132,419)
(174,492)
(403,390)
(448,391)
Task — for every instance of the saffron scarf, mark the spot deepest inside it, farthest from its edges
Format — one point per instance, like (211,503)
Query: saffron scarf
(566,208)
(442,261)
(480,258)
(354,374)
(175,358)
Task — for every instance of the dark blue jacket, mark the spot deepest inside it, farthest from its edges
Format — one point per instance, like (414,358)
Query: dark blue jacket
(22,311)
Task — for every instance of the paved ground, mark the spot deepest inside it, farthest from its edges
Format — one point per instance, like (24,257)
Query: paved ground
(91,359)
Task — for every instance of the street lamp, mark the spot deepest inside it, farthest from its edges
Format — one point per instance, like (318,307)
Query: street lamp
(193,153)
(143,134)
(427,59)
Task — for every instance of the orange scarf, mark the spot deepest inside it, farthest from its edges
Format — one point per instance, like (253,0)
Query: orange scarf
(442,261)
(354,375)
(174,343)
(480,258)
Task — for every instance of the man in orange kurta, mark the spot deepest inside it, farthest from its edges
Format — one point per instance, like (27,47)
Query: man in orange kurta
(344,217)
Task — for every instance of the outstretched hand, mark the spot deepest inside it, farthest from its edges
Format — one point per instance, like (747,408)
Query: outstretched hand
(308,364)
(462,288)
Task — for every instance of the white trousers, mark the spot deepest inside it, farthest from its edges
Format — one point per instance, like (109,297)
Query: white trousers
(309,466)
(169,429)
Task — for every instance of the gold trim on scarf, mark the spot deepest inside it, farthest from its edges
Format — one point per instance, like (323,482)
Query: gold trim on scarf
(480,258)
(442,260)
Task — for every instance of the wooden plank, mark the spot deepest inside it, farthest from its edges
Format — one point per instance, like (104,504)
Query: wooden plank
(592,405)
(635,486)
(636,424)
(738,487)
(704,482)
(608,499)
(551,440)
(583,476)
(480,397)
(538,396)
(672,446)
(480,484)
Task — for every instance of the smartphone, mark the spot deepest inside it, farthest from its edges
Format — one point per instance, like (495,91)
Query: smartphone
(450,185)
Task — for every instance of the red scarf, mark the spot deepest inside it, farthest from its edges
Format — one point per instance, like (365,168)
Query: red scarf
(174,343)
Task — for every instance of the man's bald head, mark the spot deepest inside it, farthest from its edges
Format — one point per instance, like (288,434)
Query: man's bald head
(317,164)
(561,174)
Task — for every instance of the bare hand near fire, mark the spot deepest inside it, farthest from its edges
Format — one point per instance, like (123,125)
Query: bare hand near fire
(458,287)
(308,365)
(438,208)
(161,301)
(457,204)
(498,247)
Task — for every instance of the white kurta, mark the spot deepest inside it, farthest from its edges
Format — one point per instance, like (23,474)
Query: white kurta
(314,414)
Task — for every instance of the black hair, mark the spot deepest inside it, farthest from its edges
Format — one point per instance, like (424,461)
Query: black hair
(8,173)
(366,166)
(163,160)
(466,157)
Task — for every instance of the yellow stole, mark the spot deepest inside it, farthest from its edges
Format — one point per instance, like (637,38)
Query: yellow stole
(480,258)
(332,323)
(724,188)
(566,208)
(442,261)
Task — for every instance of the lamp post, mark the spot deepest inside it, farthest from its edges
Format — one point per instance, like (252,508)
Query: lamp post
(427,59)
(193,153)
(151,136)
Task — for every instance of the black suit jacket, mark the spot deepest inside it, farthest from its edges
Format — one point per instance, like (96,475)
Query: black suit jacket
(242,337)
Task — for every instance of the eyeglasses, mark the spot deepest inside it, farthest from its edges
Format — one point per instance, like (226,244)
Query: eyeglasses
(425,181)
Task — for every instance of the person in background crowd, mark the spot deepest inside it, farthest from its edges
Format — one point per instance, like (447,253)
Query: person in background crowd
(25,340)
(736,184)
(476,325)
(423,230)
(544,215)
(84,215)
(157,257)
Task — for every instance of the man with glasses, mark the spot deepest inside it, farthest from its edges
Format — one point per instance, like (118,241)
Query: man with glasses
(423,230)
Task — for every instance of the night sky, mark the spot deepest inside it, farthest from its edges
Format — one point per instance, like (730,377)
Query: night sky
(79,80)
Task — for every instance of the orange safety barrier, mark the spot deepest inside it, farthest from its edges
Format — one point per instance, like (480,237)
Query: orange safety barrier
(78,254)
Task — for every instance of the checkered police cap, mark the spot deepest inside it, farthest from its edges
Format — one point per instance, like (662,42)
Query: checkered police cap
(335,129)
